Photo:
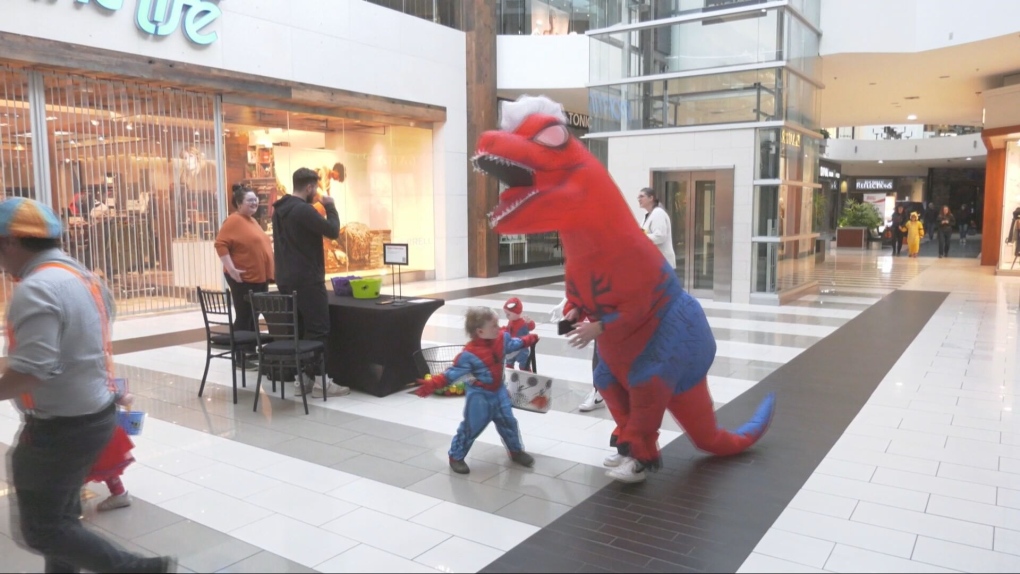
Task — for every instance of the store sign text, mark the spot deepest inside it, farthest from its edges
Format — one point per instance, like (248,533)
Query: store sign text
(883,184)
(576,120)
(163,17)
(791,138)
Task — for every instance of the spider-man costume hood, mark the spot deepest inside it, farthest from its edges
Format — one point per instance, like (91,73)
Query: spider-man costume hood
(656,346)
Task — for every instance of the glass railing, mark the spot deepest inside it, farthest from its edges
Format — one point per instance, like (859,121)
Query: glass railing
(684,47)
(699,100)
(439,11)
(543,17)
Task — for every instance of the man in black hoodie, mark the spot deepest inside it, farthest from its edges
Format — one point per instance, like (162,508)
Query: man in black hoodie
(298,230)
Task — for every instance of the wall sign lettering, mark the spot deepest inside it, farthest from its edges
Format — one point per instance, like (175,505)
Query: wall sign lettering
(883,184)
(164,17)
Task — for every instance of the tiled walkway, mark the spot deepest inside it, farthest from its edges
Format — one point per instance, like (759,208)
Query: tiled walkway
(362,483)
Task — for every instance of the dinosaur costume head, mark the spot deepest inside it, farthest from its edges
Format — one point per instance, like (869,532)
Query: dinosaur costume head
(549,174)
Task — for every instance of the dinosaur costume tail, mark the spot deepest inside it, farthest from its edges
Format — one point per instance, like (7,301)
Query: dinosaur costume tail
(694,412)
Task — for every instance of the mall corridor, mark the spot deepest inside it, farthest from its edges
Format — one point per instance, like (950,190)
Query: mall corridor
(894,448)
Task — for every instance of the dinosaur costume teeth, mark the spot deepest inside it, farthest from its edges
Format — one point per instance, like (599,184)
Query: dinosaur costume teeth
(656,345)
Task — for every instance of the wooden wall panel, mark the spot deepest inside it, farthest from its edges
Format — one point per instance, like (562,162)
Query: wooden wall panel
(482,191)
(991,227)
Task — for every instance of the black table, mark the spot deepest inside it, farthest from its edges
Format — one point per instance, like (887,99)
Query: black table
(372,346)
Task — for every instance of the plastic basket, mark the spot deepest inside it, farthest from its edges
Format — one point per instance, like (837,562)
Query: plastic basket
(131,421)
(435,360)
(366,288)
(342,285)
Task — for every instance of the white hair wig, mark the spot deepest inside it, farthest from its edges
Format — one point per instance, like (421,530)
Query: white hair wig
(514,113)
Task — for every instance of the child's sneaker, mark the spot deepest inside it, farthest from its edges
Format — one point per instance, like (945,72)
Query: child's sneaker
(522,458)
(114,502)
(614,460)
(629,471)
(459,466)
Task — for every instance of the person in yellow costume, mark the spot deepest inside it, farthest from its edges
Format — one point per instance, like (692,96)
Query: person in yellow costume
(915,231)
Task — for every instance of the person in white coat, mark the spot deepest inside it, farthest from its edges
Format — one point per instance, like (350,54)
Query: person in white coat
(657,225)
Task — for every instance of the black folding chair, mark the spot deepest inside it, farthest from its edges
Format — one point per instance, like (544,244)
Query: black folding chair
(220,335)
(284,348)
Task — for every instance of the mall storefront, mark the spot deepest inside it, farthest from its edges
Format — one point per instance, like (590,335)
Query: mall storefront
(139,167)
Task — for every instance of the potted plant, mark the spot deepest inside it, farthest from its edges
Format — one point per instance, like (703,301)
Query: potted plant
(825,141)
(855,224)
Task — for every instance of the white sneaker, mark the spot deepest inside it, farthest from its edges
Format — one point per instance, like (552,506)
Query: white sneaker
(629,471)
(614,460)
(591,402)
(114,502)
(334,390)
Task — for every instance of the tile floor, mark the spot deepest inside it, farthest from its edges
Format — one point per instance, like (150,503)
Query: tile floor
(926,478)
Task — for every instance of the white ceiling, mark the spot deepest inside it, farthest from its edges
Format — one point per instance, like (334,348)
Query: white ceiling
(871,89)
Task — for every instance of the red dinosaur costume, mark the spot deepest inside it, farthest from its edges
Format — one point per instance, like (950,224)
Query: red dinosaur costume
(656,345)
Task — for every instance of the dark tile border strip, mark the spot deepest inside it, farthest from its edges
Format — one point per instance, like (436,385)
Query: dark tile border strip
(707,514)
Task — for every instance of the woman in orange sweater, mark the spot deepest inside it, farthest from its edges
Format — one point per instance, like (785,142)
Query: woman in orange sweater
(247,255)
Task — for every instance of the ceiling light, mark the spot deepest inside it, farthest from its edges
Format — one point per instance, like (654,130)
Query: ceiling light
(969,158)
(881,161)
(912,117)
(943,77)
(129,127)
(51,118)
(94,122)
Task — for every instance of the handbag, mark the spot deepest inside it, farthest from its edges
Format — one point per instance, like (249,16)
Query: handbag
(529,391)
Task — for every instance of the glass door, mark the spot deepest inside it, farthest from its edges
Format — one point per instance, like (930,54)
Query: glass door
(703,248)
(690,200)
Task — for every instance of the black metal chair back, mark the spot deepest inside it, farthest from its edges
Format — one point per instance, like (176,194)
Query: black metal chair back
(216,311)
(279,312)
(281,345)
(218,316)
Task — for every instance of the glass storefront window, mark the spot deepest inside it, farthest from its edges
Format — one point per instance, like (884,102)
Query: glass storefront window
(1009,254)
(686,46)
(379,176)
(699,100)
(135,179)
(786,154)
(16,158)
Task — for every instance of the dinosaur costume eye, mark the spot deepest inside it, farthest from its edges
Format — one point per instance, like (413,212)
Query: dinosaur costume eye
(553,136)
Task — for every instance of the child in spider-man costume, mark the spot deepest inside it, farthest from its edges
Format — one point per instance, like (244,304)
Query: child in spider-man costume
(518,327)
(480,366)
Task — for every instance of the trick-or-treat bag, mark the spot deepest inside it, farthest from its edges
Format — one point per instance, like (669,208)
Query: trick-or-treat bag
(131,421)
(529,391)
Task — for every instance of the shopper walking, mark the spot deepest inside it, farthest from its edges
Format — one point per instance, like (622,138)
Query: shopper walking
(298,231)
(946,223)
(247,255)
(59,372)
(898,229)
(963,221)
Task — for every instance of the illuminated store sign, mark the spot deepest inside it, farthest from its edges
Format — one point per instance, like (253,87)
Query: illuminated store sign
(163,17)
(868,184)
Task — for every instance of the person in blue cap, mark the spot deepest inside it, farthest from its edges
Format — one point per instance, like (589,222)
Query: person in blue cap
(60,375)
